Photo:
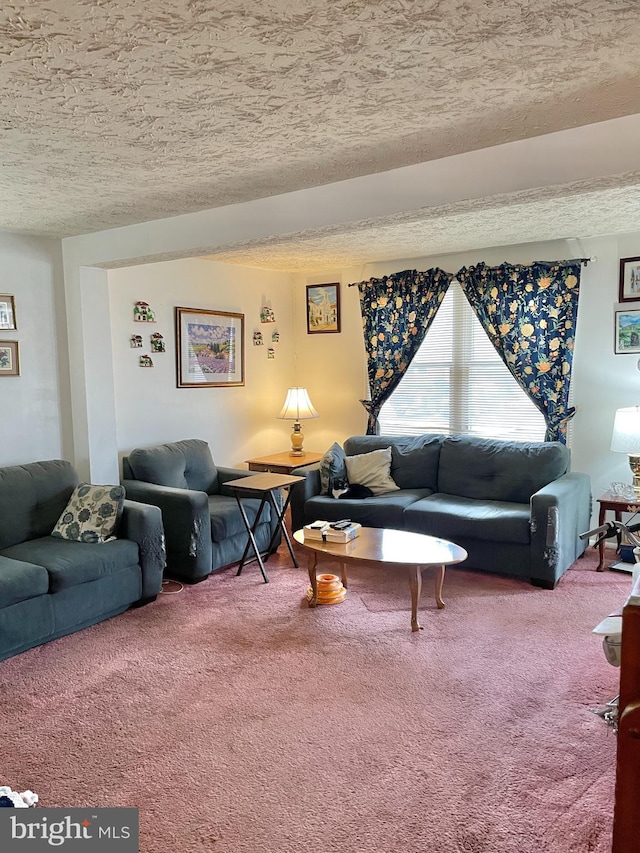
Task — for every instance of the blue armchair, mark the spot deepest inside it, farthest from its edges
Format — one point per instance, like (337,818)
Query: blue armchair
(203,526)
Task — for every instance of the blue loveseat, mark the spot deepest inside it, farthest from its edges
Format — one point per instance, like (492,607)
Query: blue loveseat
(51,586)
(516,508)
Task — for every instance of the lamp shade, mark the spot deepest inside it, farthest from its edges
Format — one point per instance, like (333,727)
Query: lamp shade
(626,431)
(298,406)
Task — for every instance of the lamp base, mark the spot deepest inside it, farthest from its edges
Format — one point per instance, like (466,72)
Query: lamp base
(297,440)
(634,464)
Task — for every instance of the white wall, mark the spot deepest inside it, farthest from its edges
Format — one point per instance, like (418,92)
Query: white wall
(238,422)
(34,405)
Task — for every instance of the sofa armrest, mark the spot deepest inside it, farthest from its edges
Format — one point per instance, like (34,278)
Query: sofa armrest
(302,492)
(187,525)
(560,512)
(142,524)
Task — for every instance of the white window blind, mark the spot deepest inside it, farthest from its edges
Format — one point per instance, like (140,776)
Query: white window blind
(457,383)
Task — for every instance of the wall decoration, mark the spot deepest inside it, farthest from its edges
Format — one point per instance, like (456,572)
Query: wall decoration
(257,339)
(271,353)
(629,290)
(7,312)
(142,313)
(9,358)
(267,315)
(157,342)
(323,308)
(627,330)
(275,337)
(135,341)
(146,361)
(209,348)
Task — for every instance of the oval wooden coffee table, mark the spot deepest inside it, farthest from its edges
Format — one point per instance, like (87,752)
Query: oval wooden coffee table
(416,551)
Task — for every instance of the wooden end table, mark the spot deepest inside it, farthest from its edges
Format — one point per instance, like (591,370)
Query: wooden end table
(265,486)
(414,551)
(282,463)
(612,503)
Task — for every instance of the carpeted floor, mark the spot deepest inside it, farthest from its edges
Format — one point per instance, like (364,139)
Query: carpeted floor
(238,720)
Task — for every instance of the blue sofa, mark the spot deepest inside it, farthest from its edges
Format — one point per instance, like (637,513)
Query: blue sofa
(50,586)
(203,525)
(516,508)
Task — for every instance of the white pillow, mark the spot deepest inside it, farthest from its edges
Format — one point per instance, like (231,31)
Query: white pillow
(372,470)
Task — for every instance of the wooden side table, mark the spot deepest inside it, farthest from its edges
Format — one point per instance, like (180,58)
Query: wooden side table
(282,463)
(612,503)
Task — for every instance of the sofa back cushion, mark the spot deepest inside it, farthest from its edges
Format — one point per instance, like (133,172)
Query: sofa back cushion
(414,459)
(32,497)
(487,469)
(180,464)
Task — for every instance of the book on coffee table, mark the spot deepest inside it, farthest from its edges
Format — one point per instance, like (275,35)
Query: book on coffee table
(325,532)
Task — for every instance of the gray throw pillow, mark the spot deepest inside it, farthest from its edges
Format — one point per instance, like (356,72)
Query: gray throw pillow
(332,467)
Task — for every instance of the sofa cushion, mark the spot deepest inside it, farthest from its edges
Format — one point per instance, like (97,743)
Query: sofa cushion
(332,468)
(487,469)
(372,470)
(450,516)
(32,496)
(379,511)
(181,465)
(20,581)
(226,520)
(92,514)
(70,563)
(414,459)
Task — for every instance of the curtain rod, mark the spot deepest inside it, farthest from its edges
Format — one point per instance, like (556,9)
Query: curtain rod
(583,261)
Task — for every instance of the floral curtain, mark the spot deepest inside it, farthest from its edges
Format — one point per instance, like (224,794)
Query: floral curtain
(529,314)
(397,311)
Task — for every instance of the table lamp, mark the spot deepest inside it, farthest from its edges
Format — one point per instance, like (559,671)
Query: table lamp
(297,407)
(626,439)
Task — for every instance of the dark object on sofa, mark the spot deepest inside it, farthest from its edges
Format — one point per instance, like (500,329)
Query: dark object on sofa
(52,586)
(514,507)
(203,525)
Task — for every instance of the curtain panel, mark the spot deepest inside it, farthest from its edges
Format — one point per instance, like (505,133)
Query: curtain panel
(397,311)
(530,314)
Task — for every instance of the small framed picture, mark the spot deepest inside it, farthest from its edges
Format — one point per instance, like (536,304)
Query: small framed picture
(209,348)
(627,330)
(9,358)
(7,312)
(629,280)
(323,308)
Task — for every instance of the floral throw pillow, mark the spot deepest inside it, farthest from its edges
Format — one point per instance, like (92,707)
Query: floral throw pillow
(92,514)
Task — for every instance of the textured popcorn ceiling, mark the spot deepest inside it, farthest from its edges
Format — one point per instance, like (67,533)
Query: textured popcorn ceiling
(114,112)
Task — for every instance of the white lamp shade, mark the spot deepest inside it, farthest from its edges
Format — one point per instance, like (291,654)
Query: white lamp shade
(298,406)
(626,430)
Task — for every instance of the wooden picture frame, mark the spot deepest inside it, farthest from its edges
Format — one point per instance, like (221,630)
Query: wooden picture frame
(323,308)
(629,286)
(627,331)
(209,348)
(7,313)
(9,358)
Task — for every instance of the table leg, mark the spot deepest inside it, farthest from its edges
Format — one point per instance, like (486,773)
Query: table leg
(601,516)
(415,582)
(251,541)
(439,582)
(343,574)
(280,524)
(313,562)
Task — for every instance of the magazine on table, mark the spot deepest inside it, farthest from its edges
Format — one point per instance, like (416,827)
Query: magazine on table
(333,531)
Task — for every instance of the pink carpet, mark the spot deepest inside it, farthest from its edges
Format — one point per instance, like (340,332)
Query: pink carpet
(238,720)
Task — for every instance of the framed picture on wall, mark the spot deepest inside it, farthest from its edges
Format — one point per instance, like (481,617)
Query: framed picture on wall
(9,358)
(627,331)
(7,312)
(209,348)
(323,308)
(629,280)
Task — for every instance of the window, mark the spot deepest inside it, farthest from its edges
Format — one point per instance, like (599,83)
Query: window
(458,383)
